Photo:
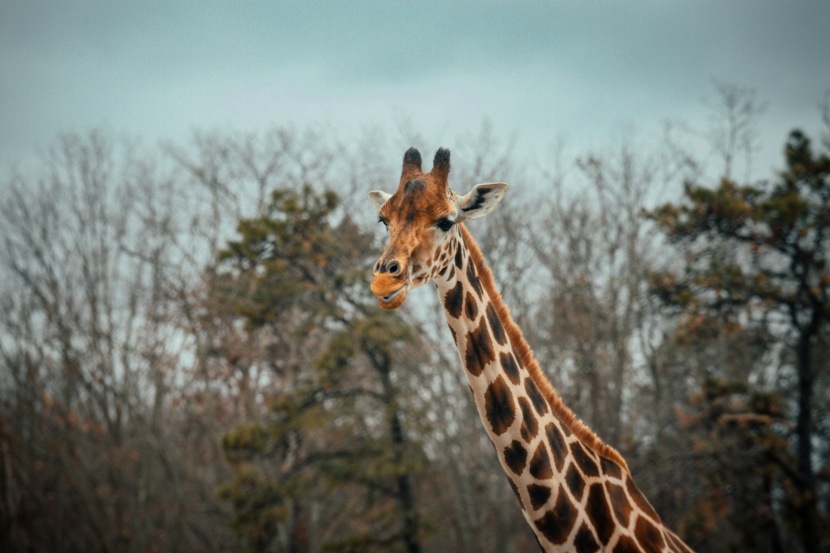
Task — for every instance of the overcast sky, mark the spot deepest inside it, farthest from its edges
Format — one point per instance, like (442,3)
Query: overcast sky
(539,71)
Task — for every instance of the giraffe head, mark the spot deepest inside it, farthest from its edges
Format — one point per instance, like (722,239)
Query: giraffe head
(422,218)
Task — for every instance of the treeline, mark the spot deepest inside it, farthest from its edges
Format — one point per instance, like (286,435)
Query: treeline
(192,359)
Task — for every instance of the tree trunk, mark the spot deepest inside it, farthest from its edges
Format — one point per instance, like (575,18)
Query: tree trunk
(806,484)
(769,513)
(298,541)
(406,497)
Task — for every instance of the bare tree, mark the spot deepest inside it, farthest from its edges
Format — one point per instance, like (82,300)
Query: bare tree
(595,247)
(90,350)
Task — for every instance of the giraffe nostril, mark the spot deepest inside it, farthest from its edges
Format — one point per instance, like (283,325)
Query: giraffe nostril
(393,268)
(377,266)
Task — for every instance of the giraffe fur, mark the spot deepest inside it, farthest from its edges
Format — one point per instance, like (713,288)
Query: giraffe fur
(576,492)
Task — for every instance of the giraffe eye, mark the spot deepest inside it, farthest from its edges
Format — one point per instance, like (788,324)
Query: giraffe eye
(445,224)
(385,224)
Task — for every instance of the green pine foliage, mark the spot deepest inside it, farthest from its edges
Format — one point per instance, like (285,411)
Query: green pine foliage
(335,434)
(755,264)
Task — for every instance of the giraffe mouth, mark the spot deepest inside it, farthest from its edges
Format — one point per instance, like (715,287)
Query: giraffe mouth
(390,291)
(395,299)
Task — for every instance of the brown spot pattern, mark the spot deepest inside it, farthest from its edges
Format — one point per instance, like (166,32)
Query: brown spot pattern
(459,261)
(472,278)
(479,349)
(517,358)
(600,513)
(556,524)
(575,482)
(626,545)
(584,460)
(454,300)
(639,499)
(539,495)
(610,468)
(558,447)
(677,542)
(498,405)
(619,501)
(540,463)
(649,536)
(584,541)
(516,491)
(511,369)
(530,426)
(471,307)
(515,456)
(495,325)
(536,396)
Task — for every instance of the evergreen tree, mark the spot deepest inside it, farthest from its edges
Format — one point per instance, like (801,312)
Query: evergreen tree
(756,259)
(330,465)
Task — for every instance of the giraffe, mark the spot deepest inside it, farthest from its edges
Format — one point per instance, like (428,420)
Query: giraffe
(576,493)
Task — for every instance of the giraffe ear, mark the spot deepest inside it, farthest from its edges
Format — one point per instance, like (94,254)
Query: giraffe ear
(378,198)
(481,200)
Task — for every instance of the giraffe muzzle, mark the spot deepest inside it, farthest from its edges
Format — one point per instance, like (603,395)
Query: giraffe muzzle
(390,291)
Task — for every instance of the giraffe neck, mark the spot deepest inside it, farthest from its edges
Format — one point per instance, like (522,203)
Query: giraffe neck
(567,481)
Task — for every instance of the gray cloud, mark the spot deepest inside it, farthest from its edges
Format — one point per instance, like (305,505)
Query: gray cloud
(537,69)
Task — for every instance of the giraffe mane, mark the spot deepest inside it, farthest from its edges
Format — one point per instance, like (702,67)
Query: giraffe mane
(562,411)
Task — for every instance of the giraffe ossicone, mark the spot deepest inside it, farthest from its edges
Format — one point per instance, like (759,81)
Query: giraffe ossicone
(576,493)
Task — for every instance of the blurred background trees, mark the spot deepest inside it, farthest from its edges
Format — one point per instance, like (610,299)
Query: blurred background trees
(192,360)
(756,272)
